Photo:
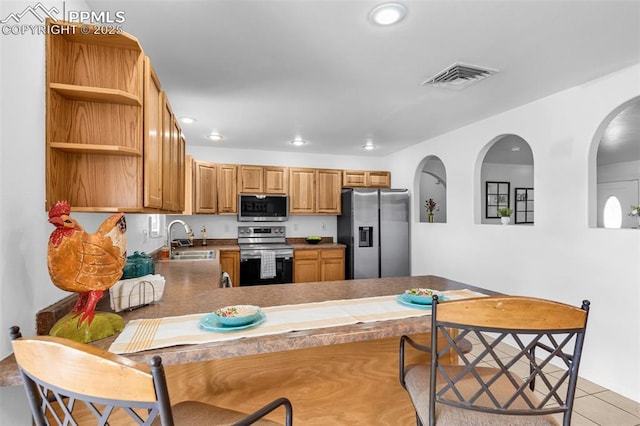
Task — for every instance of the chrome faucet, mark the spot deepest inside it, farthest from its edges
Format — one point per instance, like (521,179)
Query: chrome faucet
(187,229)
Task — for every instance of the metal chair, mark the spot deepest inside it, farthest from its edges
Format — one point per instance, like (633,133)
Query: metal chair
(533,384)
(74,383)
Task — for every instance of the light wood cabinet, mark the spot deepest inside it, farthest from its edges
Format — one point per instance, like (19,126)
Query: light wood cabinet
(230,263)
(263,179)
(227,188)
(215,188)
(366,179)
(322,264)
(302,190)
(181,166)
(205,185)
(276,180)
(189,196)
(332,264)
(172,161)
(153,131)
(305,266)
(251,179)
(112,142)
(314,191)
(328,189)
(94,116)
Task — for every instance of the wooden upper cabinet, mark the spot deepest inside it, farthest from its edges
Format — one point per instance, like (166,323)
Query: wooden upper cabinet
(181,166)
(314,191)
(112,142)
(205,178)
(302,190)
(366,179)
(276,180)
(94,120)
(153,131)
(379,179)
(251,179)
(189,197)
(167,139)
(263,180)
(227,188)
(328,191)
(173,152)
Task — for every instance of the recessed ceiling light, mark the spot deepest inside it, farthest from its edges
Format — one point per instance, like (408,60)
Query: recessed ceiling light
(369,146)
(298,141)
(388,14)
(187,120)
(215,137)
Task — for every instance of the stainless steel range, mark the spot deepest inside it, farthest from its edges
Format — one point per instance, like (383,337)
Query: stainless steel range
(265,256)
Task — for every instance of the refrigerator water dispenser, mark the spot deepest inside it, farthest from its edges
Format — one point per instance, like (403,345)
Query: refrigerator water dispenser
(366,236)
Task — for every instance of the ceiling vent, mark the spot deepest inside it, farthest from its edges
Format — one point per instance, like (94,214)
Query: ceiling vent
(459,76)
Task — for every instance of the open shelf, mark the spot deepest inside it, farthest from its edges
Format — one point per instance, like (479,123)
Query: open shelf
(95,94)
(83,148)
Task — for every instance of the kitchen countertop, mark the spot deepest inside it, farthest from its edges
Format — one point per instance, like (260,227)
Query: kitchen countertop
(191,288)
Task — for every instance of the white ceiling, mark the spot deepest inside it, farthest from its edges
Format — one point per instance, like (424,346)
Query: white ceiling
(263,72)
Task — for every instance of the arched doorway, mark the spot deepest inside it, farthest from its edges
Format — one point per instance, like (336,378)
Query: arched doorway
(506,181)
(433,186)
(618,163)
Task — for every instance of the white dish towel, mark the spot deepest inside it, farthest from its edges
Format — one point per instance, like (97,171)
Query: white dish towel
(267,264)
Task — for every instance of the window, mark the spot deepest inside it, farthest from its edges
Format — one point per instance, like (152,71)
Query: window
(506,162)
(524,205)
(497,198)
(612,213)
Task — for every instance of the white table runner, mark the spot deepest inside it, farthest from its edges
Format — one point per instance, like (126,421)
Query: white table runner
(144,334)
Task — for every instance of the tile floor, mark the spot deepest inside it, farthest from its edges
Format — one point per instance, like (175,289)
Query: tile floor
(595,405)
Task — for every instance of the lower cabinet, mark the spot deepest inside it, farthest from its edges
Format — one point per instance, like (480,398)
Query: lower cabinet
(332,264)
(320,264)
(230,263)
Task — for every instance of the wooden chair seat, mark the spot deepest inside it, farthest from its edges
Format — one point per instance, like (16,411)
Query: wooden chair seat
(74,383)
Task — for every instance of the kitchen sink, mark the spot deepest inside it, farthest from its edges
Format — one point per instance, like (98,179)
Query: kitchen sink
(193,254)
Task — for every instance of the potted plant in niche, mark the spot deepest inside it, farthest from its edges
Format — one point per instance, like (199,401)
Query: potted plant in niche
(431,206)
(505,215)
(635,212)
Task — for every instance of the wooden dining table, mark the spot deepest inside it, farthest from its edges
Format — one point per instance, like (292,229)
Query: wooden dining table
(344,375)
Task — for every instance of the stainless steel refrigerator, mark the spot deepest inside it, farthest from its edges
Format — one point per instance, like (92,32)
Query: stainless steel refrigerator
(374,226)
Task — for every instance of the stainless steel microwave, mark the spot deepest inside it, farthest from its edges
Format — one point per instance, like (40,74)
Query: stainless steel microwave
(263,208)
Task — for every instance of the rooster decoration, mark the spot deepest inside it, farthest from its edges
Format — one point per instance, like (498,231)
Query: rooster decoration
(83,263)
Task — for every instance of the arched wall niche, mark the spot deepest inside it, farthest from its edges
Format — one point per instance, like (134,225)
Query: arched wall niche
(431,182)
(614,164)
(505,177)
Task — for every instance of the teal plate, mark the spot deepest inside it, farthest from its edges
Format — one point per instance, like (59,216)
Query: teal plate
(210,323)
(403,299)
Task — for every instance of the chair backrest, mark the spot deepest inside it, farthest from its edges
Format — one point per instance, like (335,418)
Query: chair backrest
(60,375)
(546,340)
